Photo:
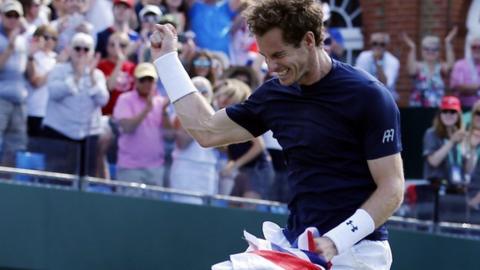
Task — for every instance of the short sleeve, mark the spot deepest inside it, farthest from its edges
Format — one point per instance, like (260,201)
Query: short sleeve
(431,142)
(381,123)
(248,114)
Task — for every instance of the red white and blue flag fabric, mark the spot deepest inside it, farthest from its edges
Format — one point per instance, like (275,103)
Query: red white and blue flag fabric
(276,253)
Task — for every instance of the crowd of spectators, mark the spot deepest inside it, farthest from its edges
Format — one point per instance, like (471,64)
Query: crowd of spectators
(79,71)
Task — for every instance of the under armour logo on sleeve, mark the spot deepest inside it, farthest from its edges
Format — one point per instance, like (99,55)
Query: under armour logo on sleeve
(388,135)
(354,228)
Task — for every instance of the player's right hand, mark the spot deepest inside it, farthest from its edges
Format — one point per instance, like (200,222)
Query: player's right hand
(163,40)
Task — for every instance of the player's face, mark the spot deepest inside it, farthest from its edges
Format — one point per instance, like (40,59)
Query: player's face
(289,63)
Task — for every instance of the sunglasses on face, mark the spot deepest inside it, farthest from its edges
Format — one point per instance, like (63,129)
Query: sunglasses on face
(146,80)
(475,47)
(79,49)
(378,44)
(449,111)
(149,19)
(202,63)
(432,50)
(47,38)
(477,113)
(12,15)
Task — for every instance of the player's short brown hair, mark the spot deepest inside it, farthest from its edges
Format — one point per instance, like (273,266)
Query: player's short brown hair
(294,17)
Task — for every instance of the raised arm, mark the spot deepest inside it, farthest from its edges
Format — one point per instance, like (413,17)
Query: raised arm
(412,55)
(449,52)
(209,128)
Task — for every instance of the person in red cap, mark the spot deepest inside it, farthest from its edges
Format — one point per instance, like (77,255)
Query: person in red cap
(445,161)
(122,13)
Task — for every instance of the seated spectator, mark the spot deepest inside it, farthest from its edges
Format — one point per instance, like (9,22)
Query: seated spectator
(211,21)
(77,92)
(141,118)
(41,61)
(429,74)
(465,77)
(379,62)
(250,159)
(193,167)
(445,161)
(13,61)
(472,150)
(122,14)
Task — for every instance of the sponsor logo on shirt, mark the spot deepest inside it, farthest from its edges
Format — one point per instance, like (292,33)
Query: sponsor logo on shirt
(388,135)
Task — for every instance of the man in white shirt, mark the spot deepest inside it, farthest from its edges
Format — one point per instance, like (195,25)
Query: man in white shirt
(379,62)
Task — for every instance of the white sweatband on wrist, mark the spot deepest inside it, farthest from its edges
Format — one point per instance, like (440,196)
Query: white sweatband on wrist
(174,78)
(352,230)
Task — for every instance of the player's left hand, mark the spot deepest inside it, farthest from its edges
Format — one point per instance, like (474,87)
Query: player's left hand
(325,247)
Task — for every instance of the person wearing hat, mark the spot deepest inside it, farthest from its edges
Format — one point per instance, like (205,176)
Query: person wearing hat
(141,118)
(444,160)
(13,62)
(149,16)
(122,14)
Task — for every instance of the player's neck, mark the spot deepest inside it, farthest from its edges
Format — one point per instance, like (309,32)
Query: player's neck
(319,68)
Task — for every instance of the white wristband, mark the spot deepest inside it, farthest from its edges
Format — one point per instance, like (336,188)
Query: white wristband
(174,78)
(352,230)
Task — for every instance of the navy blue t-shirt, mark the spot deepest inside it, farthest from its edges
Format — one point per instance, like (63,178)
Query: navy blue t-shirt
(328,131)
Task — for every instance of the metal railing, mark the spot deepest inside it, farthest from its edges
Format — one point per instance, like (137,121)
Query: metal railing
(85,183)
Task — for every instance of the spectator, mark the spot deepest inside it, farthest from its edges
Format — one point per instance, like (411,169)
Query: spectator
(122,14)
(36,14)
(140,115)
(428,74)
(58,9)
(178,9)
(119,73)
(211,21)
(72,22)
(379,62)
(149,16)
(117,69)
(41,61)
(472,149)
(250,159)
(243,73)
(77,92)
(444,158)
(194,167)
(202,65)
(465,77)
(13,62)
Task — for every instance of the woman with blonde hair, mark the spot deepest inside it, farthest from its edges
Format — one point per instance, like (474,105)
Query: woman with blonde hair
(429,73)
(250,159)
